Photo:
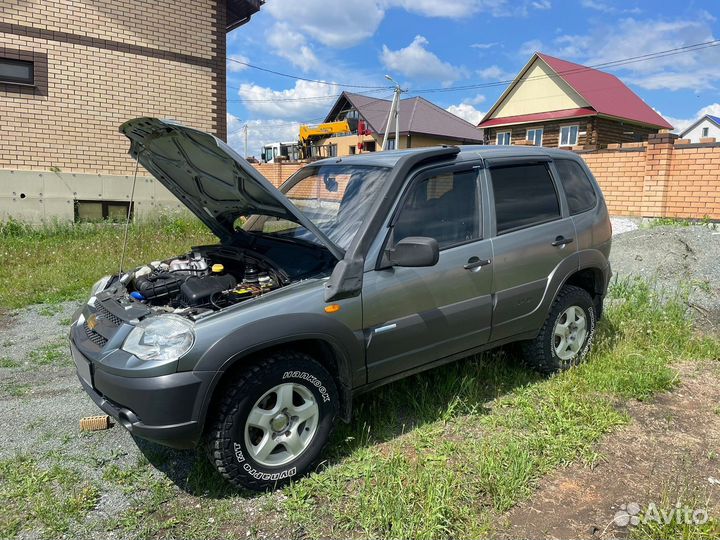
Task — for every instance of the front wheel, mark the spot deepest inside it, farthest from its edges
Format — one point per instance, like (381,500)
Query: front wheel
(566,336)
(273,421)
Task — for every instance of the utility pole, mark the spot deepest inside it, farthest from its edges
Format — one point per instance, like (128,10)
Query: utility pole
(245,129)
(394,115)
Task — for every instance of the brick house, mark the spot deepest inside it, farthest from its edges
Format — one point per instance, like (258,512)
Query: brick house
(422,123)
(71,71)
(557,103)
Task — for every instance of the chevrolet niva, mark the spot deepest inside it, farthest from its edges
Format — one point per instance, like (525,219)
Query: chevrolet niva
(356,272)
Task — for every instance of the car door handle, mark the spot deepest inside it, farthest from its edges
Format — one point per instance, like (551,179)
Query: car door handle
(561,241)
(476,262)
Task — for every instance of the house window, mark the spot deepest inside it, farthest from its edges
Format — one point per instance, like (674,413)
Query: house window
(503,138)
(705,131)
(391,144)
(535,136)
(333,150)
(369,146)
(568,136)
(352,150)
(102,210)
(17,71)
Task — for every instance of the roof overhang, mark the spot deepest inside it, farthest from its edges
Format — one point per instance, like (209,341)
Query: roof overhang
(697,122)
(240,11)
(538,117)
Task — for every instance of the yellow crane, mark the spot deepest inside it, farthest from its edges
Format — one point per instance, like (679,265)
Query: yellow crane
(309,132)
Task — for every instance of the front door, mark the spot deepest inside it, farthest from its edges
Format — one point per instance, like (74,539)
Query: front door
(413,316)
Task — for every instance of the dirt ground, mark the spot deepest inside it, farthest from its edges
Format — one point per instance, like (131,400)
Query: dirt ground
(671,443)
(669,450)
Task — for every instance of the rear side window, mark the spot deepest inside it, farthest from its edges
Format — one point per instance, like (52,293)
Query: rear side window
(524,196)
(578,188)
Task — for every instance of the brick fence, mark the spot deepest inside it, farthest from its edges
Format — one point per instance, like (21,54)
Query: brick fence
(663,177)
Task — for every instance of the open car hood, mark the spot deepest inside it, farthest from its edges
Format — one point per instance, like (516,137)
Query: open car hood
(210,178)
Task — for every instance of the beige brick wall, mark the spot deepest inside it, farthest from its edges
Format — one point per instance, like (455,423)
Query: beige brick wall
(662,178)
(107,61)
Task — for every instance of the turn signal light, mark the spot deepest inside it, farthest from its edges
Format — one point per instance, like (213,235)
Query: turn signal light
(332,308)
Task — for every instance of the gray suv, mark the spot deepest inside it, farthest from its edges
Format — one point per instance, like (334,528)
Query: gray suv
(358,271)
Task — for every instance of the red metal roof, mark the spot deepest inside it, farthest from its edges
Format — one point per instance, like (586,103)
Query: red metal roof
(539,117)
(604,92)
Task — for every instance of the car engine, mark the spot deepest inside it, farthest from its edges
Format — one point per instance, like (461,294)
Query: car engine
(203,281)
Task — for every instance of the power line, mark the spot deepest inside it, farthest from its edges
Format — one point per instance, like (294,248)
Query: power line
(310,121)
(304,98)
(298,78)
(489,84)
(613,63)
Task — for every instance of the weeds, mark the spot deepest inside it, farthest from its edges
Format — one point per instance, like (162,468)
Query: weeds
(50,500)
(500,429)
(60,261)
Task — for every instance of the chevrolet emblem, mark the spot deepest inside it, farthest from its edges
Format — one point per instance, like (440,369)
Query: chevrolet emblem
(92,321)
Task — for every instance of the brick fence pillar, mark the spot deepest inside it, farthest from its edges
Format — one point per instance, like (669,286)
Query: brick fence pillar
(658,156)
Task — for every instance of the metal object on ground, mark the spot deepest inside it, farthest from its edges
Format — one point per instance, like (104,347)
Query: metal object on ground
(95,423)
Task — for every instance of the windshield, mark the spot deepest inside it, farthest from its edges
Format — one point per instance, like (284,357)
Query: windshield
(336,198)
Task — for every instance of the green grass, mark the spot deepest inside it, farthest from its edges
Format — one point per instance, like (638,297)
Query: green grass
(677,222)
(6,362)
(46,500)
(465,457)
(55,354)
(59,262)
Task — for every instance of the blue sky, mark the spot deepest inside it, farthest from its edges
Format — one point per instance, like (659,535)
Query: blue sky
(442,44)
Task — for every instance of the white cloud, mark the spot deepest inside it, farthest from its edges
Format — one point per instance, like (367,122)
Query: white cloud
(604,7)
(484,45)
(338,24)
(681,123)
(289,104)
(495,73)
(467,112)
(630,37)
(260,133)
(416,62)
(234,64)
(541,4)
(292,46)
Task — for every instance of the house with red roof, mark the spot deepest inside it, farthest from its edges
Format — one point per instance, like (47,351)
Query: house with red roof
(557,103)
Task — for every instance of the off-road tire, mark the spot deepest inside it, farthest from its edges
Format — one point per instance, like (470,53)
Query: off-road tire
(225,440)
(540,352)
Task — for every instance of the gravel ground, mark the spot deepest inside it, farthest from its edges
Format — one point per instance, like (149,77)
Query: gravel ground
(675,257)
(42,401)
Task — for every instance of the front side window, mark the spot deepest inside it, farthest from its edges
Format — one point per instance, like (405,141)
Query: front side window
(568,135)
(524,196)
(16,71)
(579,191)
(503,138)
(443,207)
(705,132)
(335,198)
(535,136)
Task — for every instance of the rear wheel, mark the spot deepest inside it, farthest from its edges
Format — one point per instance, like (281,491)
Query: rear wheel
(566,336)
(273,421)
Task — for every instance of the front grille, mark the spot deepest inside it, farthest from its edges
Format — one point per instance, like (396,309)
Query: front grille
(93,336)
(104,313)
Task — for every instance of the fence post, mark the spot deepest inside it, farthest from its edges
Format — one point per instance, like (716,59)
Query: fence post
(658,156)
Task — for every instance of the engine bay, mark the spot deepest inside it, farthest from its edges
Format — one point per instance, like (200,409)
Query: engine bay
(206,280)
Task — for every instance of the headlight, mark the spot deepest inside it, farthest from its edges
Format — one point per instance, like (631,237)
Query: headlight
(165,337)
(100,285)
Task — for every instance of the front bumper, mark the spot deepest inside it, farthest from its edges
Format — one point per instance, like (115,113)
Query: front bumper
(168,409)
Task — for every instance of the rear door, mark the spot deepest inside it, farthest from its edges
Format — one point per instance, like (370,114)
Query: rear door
(534,236)
(413,316)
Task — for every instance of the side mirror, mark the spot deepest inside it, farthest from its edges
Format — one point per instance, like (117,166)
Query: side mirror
(415,251)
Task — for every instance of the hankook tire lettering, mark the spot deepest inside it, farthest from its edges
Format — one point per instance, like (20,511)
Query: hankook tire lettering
(311,379)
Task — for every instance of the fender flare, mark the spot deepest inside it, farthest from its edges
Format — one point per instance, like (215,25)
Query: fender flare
(263,334)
